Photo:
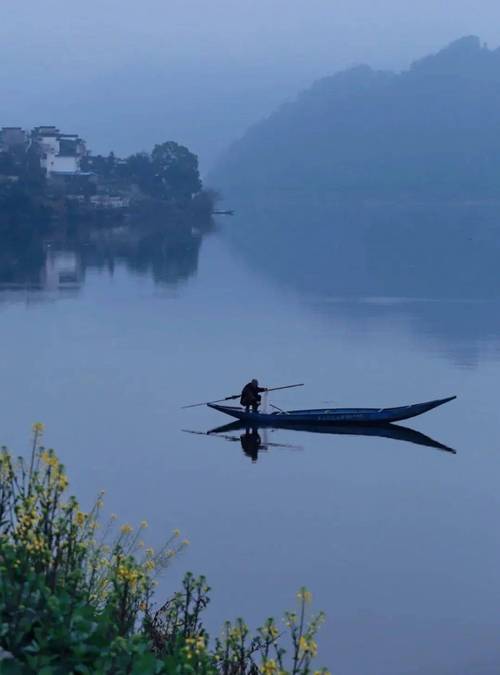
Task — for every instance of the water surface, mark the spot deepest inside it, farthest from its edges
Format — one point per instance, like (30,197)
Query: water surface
(398,542)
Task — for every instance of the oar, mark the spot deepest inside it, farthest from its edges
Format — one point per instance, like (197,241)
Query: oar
(231,398)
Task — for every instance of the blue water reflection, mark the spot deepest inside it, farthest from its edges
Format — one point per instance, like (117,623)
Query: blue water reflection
(397,541)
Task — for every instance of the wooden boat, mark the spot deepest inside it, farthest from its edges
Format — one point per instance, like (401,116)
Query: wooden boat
(320,416)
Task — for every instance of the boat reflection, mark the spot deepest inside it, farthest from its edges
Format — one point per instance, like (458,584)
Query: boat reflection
(252,442)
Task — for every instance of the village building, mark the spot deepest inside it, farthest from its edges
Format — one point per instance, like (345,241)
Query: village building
(104,201)
(60,154)
(12,139)
(66,163)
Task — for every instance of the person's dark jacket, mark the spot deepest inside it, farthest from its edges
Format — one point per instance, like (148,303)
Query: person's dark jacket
(251,394)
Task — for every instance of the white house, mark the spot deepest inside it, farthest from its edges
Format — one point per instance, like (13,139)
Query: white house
(59,153)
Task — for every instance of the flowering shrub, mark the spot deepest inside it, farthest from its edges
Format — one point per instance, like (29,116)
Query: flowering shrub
(71,601)
(178,625)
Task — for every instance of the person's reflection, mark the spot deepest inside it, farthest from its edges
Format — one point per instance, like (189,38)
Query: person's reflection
(251,443)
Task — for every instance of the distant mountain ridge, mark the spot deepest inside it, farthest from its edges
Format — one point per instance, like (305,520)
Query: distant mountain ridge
(377,184)
(430,131)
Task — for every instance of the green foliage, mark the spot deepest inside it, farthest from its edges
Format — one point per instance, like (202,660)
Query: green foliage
(72,603)
(170,173)
(176,171)
(58,630)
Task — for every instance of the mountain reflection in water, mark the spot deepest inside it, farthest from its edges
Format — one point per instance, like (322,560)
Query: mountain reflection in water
(430,266)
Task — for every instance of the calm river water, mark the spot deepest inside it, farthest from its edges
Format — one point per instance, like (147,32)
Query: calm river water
(399,543)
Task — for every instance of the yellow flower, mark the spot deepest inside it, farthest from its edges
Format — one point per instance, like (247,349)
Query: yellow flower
(149,565)
(49,458)
(128,574)
(239,631)
(144,524)
(176,533)
(80,518)
(304,595)
(185,542)
(269,667)
(62,481)
(308,646)
(126,529)
(35,544)
(194,646)
(38,428)
(270,630)
(150,552)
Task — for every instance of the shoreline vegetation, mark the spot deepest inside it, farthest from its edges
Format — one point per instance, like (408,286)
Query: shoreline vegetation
(114,206)
(77,593)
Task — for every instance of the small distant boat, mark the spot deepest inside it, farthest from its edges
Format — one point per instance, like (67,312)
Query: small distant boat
(325,416)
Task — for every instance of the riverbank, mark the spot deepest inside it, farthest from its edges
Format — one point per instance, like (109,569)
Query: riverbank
(159,191)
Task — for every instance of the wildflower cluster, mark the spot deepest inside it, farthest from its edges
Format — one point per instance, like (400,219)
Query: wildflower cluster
(76,595)
(237,651)
(45,534)
(48,533)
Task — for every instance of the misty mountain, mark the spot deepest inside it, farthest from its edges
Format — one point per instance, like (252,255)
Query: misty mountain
(375,183)
(433,130)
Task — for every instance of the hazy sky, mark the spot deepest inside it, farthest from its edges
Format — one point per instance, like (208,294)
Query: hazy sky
(127,74)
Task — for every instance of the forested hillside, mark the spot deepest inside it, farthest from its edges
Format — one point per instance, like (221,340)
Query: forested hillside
(433,131)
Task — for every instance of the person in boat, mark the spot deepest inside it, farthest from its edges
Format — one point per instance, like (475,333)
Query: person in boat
(251,396)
